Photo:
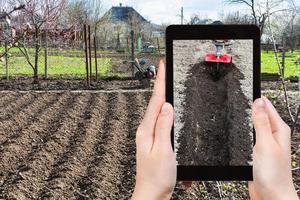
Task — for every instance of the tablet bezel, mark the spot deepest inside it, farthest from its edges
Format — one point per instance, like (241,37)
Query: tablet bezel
(204,32)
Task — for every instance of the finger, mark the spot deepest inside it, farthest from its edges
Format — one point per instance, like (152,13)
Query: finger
(280,129)
(156,102)
(162,138)
(145,132)
(252,193)
(159,86)
(275,119)
(261,121)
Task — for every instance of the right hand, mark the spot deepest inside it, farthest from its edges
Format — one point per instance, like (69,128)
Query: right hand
(272,175)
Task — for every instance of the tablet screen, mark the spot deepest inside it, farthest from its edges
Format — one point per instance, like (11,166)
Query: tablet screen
(213,93)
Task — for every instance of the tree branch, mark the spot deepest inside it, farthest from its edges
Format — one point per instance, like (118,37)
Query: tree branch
(280,69)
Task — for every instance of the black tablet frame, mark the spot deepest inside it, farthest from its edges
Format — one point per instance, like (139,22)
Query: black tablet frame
(210,32)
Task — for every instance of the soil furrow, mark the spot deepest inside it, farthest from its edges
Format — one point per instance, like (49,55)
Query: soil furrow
(209,125)
(102,138)
(14,107)
(7,99)
(11,128)
(54,121)
(136,107)
(31,138)
(63,179)
(106,175)
(31,181)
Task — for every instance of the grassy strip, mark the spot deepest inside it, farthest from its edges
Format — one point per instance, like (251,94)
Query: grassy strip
(58,65)
(269,64)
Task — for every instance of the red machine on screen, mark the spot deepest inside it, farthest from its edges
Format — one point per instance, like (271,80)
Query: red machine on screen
(219,57)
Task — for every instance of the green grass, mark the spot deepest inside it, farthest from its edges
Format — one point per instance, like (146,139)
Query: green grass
(58,65)
(64,65)
(14,51)
(269,64)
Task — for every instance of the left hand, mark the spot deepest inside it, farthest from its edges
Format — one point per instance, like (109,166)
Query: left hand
(156,163)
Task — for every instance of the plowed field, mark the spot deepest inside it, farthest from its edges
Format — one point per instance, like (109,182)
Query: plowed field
(81,145)
(68,145)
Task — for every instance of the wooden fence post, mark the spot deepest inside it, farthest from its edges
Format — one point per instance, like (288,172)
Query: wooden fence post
(96,64)
(86,55)
(90,51)
(158,45)
(6,60)
(132,51)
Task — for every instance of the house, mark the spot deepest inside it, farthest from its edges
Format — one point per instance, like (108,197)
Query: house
(117,23)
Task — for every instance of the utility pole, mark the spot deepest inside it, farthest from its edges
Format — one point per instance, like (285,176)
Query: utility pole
(181,15)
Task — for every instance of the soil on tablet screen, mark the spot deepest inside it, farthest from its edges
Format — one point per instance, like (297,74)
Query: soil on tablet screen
(214,114)
(209,119)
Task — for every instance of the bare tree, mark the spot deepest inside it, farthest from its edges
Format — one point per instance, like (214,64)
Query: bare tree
(95,9)
(292,115)
(41,15)
(198,19)
(135,22)
(237,18)
(260,10)
(7,15)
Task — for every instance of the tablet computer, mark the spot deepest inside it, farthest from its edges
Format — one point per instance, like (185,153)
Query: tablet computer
(212,79)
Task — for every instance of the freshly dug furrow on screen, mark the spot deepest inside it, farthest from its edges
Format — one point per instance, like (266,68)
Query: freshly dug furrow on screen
(12,108)
(8,98)
(136,107)
(72,165)
(19,150)
(41,164)
(11,128)
(106,175)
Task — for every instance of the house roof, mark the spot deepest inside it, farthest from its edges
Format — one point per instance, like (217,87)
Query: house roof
(122,13)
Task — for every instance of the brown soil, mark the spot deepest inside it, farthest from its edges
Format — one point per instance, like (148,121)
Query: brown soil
(276,85)
(210,133)
(212,122)
(24,83)
(69,145)
(81,145)
(238,190)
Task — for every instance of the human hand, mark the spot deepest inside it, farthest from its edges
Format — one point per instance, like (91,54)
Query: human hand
(156,164)
(272,176)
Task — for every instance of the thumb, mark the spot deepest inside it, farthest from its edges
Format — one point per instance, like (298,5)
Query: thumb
(253,194)
(163,128)
(261,121)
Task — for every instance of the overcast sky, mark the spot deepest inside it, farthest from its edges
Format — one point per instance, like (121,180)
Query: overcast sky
(168,11)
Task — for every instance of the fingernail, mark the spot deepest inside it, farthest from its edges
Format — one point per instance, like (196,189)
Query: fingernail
(165,109)
(259,104)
